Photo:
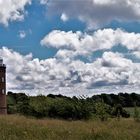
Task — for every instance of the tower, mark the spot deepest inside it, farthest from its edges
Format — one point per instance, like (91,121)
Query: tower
(3,105)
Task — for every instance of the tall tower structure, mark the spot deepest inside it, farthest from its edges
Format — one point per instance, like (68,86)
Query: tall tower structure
(3,105)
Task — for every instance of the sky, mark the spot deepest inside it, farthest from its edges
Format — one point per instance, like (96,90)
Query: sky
(71,47)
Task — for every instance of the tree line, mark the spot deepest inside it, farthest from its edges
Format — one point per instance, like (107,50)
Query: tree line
(76,108)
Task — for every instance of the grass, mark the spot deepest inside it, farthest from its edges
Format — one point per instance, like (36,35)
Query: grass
(131,110)
(21,128)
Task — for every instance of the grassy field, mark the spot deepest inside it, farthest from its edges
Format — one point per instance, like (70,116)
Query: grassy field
(131,110)
(21,128)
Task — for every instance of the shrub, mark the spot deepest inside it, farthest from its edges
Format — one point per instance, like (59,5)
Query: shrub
(118,111)
(136,113)
(102,110)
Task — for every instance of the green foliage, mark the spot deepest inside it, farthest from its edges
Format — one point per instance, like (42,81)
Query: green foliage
(136,113)
(101,110)
(58,106)
(118,111)
(125,99)
(11,105)
(17,103)
(39,106)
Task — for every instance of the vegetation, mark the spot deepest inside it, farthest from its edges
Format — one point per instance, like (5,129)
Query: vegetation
(131,110)
(136,113)
(58,106)
(102,110)
(18,127)
(64,118)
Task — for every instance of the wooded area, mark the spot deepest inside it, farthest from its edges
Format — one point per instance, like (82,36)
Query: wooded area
(75,108)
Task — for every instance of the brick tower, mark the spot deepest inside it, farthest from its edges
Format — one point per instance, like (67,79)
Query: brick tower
(3,105)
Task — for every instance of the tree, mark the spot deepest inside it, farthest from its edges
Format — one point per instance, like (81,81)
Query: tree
(136,113)
(101,110)
(118,111)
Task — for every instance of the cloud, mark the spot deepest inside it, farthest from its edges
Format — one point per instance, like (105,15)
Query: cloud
(64,17)
(60,39)
(112,71)
(67,73)
(26,73)
(43,1)
(110,59)
(136,54)
(12,10)
(73,44)
(22,34)
(96,12)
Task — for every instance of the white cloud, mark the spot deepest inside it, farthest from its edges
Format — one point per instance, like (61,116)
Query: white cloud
(64,17)
(136,54)
(65,73)
(78,43)
(12,10)
(111,71)
(26,73)
(103,2)
(43,1)
(22,34)
(111,59)
(97,12)
(60,39)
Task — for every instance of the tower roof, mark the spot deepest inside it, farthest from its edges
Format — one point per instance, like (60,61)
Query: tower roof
(1,62)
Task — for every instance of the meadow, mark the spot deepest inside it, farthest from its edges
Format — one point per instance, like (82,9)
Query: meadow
(14,127)
(130,110)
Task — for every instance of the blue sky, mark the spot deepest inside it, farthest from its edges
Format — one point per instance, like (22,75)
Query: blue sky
(36,25)
(67,47)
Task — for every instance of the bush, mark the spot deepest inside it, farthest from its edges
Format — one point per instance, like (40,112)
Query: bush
(102,110)
(118,111)
(136,113)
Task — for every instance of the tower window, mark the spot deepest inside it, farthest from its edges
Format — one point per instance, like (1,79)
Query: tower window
(2,79)
(3,91)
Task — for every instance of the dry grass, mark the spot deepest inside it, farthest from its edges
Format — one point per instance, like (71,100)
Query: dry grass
(21,128)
